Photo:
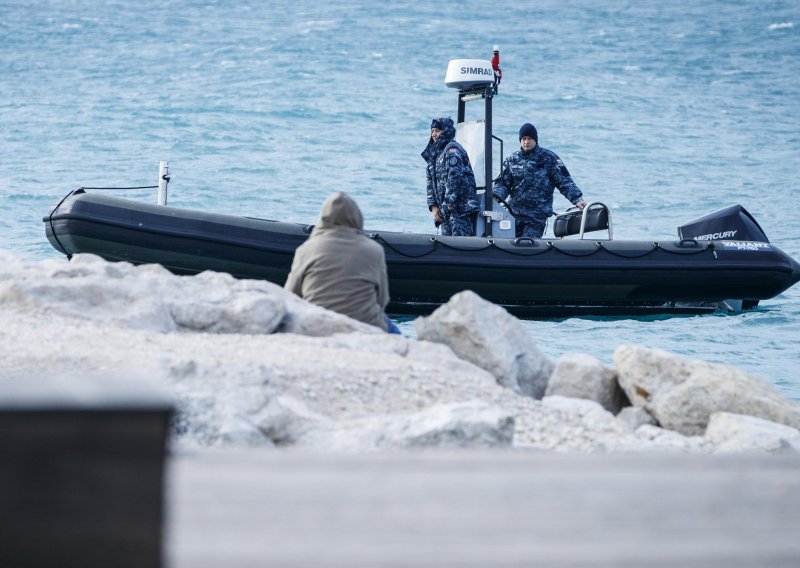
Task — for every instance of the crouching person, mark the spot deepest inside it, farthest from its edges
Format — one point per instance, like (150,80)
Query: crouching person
(339,268)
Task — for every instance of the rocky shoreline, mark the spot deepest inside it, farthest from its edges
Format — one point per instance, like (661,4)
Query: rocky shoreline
(251,365)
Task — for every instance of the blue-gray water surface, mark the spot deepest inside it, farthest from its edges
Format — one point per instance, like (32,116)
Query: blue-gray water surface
(663,110)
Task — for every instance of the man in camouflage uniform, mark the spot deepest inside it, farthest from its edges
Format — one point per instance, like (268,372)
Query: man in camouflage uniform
(452,196)
(528,179)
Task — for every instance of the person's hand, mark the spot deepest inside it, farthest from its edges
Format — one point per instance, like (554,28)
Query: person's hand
(581,205)
(437,214)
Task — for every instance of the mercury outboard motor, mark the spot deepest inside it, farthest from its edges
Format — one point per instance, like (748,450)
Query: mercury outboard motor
(731,223)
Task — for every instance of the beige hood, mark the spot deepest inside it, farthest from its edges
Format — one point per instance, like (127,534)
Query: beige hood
(339,210)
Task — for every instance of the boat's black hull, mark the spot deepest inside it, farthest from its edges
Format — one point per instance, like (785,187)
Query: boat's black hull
(530,278)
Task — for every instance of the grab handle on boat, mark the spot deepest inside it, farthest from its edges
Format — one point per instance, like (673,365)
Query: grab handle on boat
(163,180)
(524,242)
(596,205)
(595,216)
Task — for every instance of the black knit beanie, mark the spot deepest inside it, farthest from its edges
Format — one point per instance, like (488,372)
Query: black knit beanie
(528,129)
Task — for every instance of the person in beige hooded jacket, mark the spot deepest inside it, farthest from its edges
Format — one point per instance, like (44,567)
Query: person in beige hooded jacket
(340,268)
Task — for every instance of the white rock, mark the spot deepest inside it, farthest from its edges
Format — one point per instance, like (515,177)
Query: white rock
(286,420)
(238,430)
(488,336)
(682,393)
(217,410)
(657,439)
(635,416)
(568,425)
(471,424)
(246,313)
(736,433)
(150,297)
(303,318)
(578,375)
(234,386)
(581,406)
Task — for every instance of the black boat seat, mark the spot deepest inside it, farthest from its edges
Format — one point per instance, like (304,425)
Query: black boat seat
(595,216)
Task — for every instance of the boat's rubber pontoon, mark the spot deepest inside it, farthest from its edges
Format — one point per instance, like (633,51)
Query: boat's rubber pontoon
(531,278)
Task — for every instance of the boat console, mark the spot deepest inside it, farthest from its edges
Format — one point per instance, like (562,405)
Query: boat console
(478,79)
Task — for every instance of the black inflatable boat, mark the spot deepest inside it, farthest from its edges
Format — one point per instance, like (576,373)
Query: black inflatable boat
(722,259)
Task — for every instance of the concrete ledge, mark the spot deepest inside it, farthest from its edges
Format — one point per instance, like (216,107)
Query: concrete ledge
(482,508)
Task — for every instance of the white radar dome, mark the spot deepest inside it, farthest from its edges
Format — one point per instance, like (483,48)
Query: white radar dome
(466,73)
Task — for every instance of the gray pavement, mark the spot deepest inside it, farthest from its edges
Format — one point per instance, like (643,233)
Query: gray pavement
(489,509)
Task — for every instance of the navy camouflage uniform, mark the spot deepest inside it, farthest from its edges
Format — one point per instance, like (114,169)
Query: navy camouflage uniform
(529,178)
(451,182)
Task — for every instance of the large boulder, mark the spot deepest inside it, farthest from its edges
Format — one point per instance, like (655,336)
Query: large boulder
(149,297)
(572,424)
(304,318)
(635,416)
(682,393)
(470,424)
(234,306)
(654,439)
(285,420)
(569,425)
(578,375)
(491,338)
(736,433)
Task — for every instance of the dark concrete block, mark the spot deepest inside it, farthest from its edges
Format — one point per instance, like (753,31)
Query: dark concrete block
(81,474)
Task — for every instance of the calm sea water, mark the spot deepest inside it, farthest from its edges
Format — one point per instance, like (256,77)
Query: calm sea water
(663,110)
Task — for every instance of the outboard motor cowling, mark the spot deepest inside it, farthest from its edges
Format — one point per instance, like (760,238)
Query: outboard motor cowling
(731,223)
